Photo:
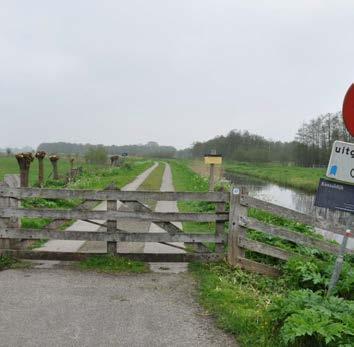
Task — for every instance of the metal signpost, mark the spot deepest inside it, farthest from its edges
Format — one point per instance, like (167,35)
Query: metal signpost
(338,192)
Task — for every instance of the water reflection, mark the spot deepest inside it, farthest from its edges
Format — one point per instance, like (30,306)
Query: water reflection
(288,197)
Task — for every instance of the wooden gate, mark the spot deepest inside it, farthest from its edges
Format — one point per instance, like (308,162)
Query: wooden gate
(230,242)
(135,210)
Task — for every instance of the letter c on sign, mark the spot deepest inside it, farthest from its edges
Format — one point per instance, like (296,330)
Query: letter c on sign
(352,173)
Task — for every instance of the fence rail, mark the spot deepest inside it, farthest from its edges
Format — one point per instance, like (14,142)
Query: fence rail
(111,194)
(237,238)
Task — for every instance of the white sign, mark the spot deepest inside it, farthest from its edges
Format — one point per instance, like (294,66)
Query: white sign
(341,163)
(236,191)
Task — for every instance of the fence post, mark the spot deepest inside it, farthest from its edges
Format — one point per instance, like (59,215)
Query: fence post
(111,224)
(220,225)
(235,230)
(54,160)
(40,156)
(12,222)
(24,162)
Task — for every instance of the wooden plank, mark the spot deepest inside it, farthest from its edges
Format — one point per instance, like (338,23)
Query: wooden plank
(111,227)
(293,236)
(14,233)
(111,194)
(146,257)
(11,181)
(220,226)
(110,215)
(263,248)
(237,212)
(294,215)
(138,206)
(254,266)
(86,205)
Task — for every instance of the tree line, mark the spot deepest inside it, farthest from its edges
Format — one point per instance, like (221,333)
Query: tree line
(151,149)
(311,147)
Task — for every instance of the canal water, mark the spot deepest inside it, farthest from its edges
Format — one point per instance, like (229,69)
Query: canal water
(289,197)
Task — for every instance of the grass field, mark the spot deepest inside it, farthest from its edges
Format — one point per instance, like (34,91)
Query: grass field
(305,179)
(8,165)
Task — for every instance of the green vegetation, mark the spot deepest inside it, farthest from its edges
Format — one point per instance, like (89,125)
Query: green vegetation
(305,179)
(305,318)
(95,177)
(8,165)
(154,180)
(153,183)
(113,264)
(252,307)
(96,155)
(311,146)
(184,179)
(8,262)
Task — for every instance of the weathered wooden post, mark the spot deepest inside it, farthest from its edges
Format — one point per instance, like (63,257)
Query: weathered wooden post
(112,224)
(220,225)
(24,161)
(54,160)
(40,155)
(12,222)
(71,175)
(237,212)
(114,160)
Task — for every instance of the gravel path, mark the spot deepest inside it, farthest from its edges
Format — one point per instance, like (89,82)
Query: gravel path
(62,307)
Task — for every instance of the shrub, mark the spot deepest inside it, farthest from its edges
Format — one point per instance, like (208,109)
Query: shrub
(6,262)
(311,273)
(305,318)
(96,155)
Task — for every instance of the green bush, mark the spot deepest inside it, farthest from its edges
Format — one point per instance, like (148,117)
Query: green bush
(311,273)
(96,155)
(6,262)
(305,318)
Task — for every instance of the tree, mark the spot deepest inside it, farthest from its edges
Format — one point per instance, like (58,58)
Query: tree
(96,155)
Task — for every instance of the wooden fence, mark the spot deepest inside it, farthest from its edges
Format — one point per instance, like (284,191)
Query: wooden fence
(233,240)
(240,222)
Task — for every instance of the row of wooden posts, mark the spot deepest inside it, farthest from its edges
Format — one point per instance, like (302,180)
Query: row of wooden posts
(25,159)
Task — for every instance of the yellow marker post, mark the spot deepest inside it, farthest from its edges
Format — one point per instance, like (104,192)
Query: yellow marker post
(212,160)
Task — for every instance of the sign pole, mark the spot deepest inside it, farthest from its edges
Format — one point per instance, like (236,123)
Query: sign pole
(212,178)
(339,261)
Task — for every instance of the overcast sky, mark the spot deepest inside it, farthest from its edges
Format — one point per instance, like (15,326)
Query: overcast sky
(124,72)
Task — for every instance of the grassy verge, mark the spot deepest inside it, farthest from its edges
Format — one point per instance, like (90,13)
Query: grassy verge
(7,262)
(100,177)
(238,300)
(185,179)
(305,179)
(113,264)
(288,311)
(153,183)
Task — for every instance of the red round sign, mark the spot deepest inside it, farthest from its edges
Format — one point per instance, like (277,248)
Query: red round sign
(348,110)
